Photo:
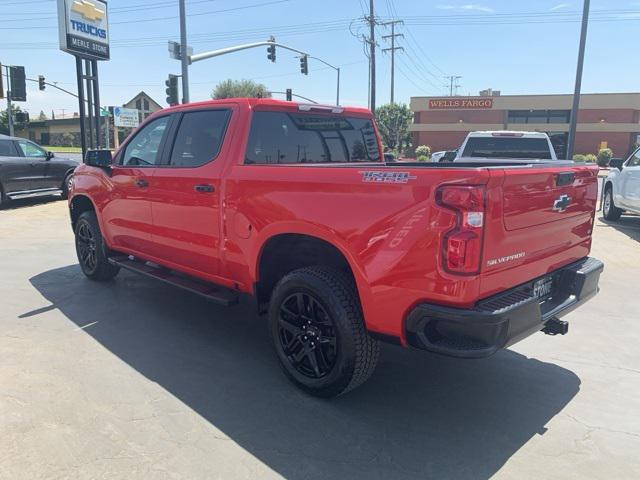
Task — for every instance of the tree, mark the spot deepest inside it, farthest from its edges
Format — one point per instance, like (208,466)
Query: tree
(604,156)
(4,121)
(393,122)
(42,116)
(240,89)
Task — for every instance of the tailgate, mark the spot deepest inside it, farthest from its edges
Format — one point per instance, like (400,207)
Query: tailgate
(538,220)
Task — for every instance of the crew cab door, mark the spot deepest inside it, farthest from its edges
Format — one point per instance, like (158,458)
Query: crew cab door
(127,221)
(185,193)
(34,166)
(630,182)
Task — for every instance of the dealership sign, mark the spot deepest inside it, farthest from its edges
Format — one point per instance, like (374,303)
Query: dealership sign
(125,117)
(460,103)
(83,28)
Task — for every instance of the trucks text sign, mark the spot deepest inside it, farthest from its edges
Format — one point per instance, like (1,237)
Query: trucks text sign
(83,28)
(460,103)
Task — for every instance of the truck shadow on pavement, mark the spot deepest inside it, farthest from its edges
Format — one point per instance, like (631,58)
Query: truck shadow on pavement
(420,415)
(627,224)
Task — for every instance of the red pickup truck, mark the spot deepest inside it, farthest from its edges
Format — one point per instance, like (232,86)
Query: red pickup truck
(294,205)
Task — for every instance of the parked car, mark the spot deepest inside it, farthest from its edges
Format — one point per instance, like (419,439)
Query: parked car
(27,170)
(509,146)
(436,156)
(622,187)
(294,205)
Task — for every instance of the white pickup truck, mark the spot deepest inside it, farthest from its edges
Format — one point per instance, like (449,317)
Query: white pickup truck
(506,146)
(622,187)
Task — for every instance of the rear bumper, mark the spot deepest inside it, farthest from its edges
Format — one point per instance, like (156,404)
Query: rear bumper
(504,319)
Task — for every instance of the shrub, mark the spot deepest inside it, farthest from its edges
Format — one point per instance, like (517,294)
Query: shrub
(578,157)
(423,151)
(604,156)
(590,158)
(423,158)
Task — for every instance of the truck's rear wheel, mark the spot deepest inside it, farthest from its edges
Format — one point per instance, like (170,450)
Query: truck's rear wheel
(318,331)
(609,209)
(91,249)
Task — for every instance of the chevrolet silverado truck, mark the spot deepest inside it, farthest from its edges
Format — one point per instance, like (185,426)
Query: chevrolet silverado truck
(294,205)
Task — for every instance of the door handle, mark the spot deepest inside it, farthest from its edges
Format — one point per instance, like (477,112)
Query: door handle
(203,188)
(141,182)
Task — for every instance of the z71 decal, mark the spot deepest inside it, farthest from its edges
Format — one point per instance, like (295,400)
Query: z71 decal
(386,177)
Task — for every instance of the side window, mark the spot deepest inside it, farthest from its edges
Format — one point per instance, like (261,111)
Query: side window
(7,149)
(634,161)
(199,137)
(31,149)
(143,149)
(278,137)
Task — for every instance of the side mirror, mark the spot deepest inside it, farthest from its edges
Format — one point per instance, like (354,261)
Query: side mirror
(98,158)
(449,156)
(50,155)
(616,163)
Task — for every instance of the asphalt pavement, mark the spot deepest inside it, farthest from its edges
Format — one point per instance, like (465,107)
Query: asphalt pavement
(136,380)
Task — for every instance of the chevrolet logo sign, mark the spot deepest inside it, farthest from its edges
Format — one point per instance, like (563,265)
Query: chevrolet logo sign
(562,203)
(88,10)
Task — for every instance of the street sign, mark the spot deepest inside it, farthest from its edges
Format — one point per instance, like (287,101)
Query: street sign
(83,28)
(125,117)
(104,112)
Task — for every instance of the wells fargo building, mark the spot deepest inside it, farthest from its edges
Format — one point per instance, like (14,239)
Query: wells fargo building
(604,120)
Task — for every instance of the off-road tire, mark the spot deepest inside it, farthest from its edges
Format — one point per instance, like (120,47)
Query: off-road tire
(609,209)
(356,353)
(90,243)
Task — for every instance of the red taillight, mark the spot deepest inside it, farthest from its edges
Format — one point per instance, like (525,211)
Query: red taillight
(462,245)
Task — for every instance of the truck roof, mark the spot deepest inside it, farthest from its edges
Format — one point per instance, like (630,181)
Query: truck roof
(507,133)
(277,104)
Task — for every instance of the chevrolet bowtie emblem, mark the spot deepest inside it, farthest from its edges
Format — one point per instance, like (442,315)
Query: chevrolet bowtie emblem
(88,10)
(562,203)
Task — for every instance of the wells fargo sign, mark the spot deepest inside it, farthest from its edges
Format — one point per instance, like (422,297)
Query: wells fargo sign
(460,103)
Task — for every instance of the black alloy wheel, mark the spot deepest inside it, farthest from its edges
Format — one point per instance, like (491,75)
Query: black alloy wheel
(87,247)
(307,335)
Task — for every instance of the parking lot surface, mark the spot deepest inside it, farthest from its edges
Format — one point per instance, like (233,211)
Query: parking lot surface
(134,379)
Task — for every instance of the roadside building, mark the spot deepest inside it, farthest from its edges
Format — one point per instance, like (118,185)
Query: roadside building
(66,131)
(604,120)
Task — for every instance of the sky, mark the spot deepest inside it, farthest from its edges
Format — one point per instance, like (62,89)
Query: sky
(518,47)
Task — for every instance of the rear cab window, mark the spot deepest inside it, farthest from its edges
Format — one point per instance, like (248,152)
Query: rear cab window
(506,147)
(298,137)
(7,149)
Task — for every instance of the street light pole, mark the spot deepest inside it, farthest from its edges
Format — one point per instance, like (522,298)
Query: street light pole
(184,57)
(571,142)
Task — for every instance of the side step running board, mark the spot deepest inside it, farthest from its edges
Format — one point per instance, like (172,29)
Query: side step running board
(35,193)
(214,293)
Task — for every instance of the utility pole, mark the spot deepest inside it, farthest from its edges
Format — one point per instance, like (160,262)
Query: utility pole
(393,50)
(453,83)
(372,57)
(9,109)
(184,57)
(571,142)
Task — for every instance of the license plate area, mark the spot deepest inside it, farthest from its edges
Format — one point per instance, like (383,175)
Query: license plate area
(543,288)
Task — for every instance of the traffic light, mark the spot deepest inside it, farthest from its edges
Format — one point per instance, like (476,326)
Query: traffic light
(289,95)
(172,89)
(17,85)
(22,117)
(304,65)
(41,84)
(271,50)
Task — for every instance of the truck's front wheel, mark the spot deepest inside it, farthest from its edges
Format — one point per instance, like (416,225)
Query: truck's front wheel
(91,249)
(318,331)
(609,209)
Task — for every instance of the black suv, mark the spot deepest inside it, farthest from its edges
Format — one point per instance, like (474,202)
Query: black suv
(27,170)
